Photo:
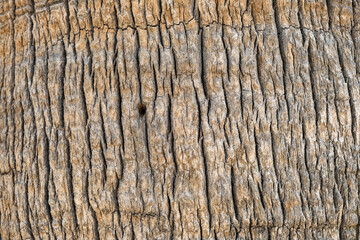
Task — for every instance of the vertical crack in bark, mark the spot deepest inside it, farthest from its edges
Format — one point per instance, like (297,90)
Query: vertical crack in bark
(82,93)
(45,154)
(102,126)
(258,70)
(47,178)
(148,150)
(90,64)
(206,175)
(227,112)
(199,113)
(234,194)
(138,65)
(175,68)
(10,108)
(119,112)
(306,159)
(28,85)
(62,80)
(313,87)
(203,76)
(32,54)
(93,214)
(226,52)
(257,153)
(27,210)
(353,111)
(353,37)
(336,98)
(62,85)
(172,140)
(120,94)
(71,189)
(200,224)
(282,54)
(155,94)
(104,165)
(328,8)
(202,145)
(90,22)
(67,19)
(17,216)
(277,172)
(22,127)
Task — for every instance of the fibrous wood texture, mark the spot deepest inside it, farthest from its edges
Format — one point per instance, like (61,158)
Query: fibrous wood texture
(179,119)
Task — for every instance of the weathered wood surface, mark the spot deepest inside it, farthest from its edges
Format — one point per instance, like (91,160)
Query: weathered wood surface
(251,128)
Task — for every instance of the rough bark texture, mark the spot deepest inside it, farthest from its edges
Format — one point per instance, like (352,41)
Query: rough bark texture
(179,119)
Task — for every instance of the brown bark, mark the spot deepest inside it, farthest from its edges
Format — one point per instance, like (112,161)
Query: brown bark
(158,119)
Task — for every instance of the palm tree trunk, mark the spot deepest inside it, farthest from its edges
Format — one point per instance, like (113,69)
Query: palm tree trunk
(183,119)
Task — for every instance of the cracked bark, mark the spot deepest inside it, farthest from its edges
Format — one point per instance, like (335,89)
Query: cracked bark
(179,119)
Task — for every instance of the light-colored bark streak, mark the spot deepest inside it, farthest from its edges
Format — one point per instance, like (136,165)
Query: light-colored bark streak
(179,120)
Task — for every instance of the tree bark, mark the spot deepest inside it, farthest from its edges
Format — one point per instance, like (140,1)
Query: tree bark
(183,119)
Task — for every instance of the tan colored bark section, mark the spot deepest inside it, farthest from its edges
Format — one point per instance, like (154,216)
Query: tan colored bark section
(251,128)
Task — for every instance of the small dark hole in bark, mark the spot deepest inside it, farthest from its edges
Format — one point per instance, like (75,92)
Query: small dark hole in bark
(142,109)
